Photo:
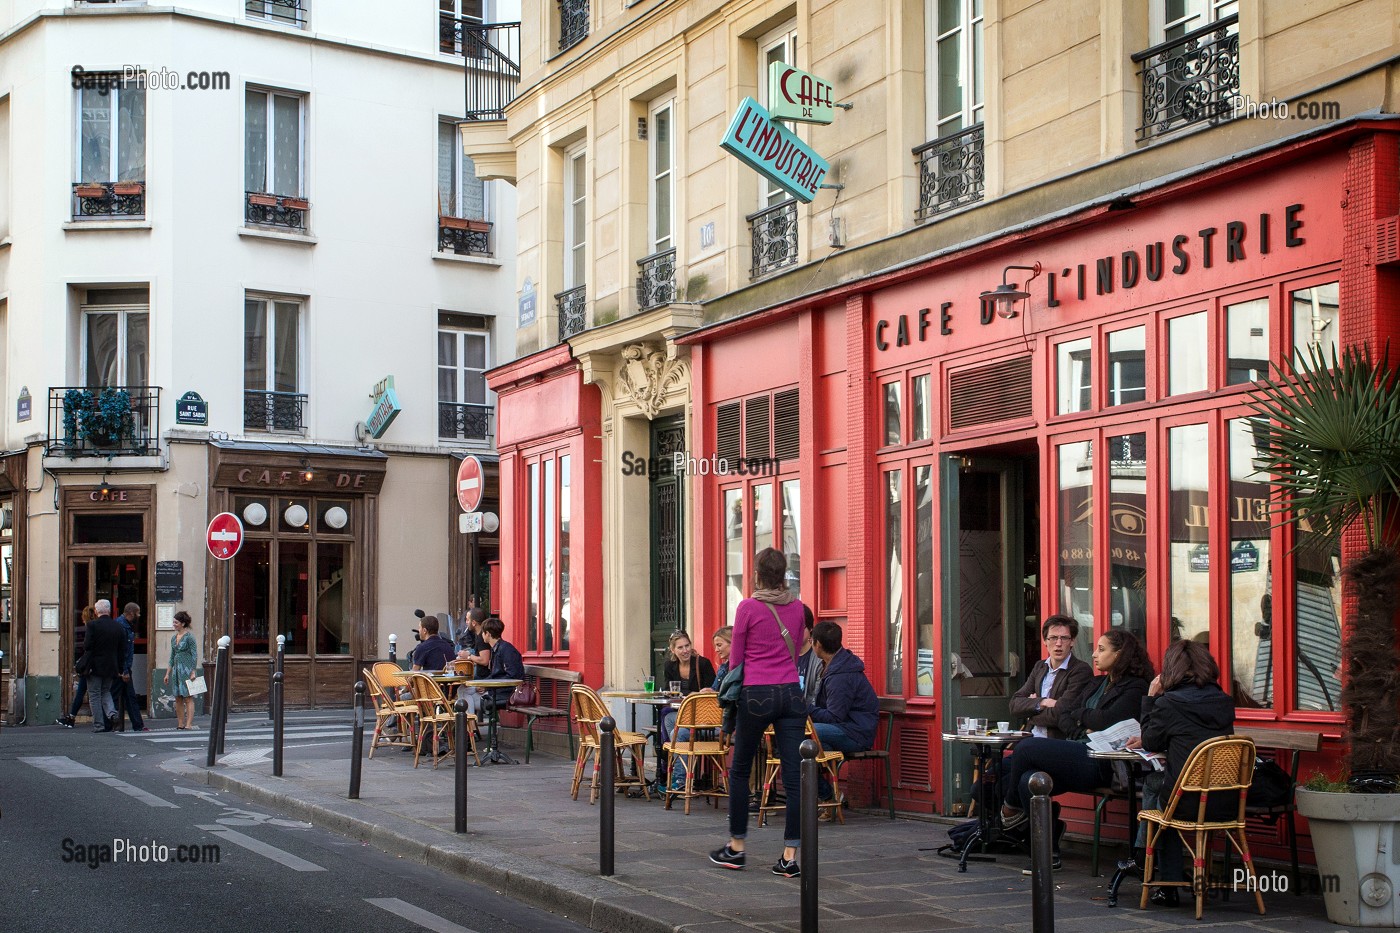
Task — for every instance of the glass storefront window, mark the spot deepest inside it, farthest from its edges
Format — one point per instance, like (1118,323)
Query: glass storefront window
(293,597)
(547,555)
(1189,523)
(254,511)
(1247,341)
(332,610)
(922,428)
(532,641)
(792,531)
(333,517)
(1127,366)
(733,519)
(7,569)
(1315,320)
(252,598)
(1074,376)
(1127,533)
(1317,629)
(1251,599)
(294,515)
(565,506)
(892,414)
(762,516)
(894,584)
(1076,474)
(923,580)
(1187,342)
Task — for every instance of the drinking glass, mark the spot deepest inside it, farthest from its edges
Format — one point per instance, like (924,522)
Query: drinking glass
(980,728)
(649,685)
(674,688)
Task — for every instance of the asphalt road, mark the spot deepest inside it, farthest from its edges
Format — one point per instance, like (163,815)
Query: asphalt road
(85,821)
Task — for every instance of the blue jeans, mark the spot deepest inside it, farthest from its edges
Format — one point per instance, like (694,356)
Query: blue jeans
(1068,763)
(78,698)
(833,739)
(782,707)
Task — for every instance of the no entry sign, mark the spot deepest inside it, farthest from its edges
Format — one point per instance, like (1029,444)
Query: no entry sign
(225,535)
(470,484)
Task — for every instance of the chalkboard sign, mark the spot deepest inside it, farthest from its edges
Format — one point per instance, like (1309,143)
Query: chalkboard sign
(170,581)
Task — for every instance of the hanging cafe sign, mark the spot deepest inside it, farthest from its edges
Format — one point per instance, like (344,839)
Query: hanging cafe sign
(757,138)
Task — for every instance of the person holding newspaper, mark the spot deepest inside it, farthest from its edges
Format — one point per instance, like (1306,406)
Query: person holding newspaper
(1112,697)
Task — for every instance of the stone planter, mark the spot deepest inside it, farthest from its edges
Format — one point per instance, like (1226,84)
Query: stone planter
(1357,841)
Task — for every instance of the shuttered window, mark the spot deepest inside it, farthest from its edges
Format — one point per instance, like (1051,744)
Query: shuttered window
(988,394)
(727,432)
(758,428)
(787,424)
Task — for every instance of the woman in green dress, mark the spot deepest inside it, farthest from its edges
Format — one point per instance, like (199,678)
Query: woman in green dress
(184,664)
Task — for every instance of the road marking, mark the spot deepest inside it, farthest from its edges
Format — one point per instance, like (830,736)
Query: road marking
(62,767)
(149,799)
(418,915)
(261,848)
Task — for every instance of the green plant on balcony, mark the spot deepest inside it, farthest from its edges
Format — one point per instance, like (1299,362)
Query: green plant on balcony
(100,421)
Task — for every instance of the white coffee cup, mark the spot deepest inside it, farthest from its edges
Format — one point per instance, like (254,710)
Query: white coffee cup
(1003,727)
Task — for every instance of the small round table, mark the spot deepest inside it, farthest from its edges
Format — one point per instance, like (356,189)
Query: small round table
(987,749)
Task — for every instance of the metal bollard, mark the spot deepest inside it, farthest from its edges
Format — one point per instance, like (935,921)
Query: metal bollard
(357,740)
(220,668)
(809,825)
(461,744)
(277,724)
(1042,842)
(225,677)
(609,791)
(274,667)
(393,647)
(4,713)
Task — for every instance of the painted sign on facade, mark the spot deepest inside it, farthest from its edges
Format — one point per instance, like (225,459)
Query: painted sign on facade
(774,152)
(386,408)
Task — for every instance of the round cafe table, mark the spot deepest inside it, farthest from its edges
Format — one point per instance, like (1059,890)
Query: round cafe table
(487,686)
(987,749)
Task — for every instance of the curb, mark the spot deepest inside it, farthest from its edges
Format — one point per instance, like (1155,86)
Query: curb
(599,903)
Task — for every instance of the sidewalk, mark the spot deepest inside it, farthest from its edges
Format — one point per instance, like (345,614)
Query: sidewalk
(529,840)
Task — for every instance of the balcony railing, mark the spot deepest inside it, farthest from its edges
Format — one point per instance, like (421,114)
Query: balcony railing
(463,236)
(571,311)
(774,234)
(573,22)
(463,422)
(276,210)
(950,172)
(286,12)
(491,57)
(1193,79)
(104,422)
(656,280)
(274,411)
(109,199)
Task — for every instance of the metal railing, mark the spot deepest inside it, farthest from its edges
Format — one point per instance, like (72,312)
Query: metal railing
(464,237)
(274,411)
(464,422)
(491,59)
(1193,79)
(276,210)
(773,231)
(573,22)
(571,311)
(286,12)
(109,199)
(108,421)
(656,279)
(951,172)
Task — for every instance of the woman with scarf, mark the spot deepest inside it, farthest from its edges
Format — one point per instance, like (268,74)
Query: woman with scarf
(767,630)
(693,671)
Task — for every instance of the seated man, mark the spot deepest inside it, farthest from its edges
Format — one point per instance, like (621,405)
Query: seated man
(847,711)
(506,662)
(472,641)
(1056,681)
(432,651)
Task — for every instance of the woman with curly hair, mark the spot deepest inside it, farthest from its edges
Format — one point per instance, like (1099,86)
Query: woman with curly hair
(1112,697)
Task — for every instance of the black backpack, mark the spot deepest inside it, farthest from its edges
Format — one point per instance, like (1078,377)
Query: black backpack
(1271,787)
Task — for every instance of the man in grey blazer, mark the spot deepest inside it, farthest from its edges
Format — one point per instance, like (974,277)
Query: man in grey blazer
(1057,681)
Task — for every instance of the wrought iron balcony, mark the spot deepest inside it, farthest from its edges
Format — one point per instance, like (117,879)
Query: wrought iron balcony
(491,57)
(571,312)
(774,234)
(463,236)
(463,422)
(656,282)
(276,210)
(1193,79)
(108,422)
(109,199)
(274,411)
(573,22)
(286,12)
(950,172)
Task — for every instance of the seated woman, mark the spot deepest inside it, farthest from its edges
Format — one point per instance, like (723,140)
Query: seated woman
(691,670)
(1114,696)
(1184,706)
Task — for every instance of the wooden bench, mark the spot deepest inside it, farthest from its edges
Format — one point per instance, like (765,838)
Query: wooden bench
(1295,743)
(889,707)
(535,673)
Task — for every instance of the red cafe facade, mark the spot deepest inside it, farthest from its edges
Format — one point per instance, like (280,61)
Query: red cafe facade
(960,474)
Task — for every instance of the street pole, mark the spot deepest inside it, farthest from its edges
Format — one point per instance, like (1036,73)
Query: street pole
(460,744)
(605,805)
(357,741)
(220,670)
(809,825)
(277,724)
(1042,840)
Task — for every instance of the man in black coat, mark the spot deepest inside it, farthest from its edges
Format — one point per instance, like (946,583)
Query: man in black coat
(106,648)
(1056,681)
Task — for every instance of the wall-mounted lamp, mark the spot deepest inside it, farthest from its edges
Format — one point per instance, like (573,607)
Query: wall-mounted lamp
(105,491)
(1003,298)
(307,474)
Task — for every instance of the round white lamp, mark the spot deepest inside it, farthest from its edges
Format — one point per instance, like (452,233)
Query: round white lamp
(336,517)
(255,513)
(295,515)
(490,522)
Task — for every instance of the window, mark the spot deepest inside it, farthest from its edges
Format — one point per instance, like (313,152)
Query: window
(1076,485)
(778,46)
(460,192)
(272,364)
(892,414)
(921,413)
(286,12)
(1127,533)
(116,325)
(111,148)
(1188,521)
(451,14)
(1127,366)
(547,544)
(1251,582)
(575,218)
(1074,376)
(1187,363)
(955,38)
(463,356)
(894,581)
(661,164)
(274,155)
(1315,320)
(1172,19)
(1247,341)
(923,579)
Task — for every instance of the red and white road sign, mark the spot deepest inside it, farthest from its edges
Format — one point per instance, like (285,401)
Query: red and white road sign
(225,535)
(471,483)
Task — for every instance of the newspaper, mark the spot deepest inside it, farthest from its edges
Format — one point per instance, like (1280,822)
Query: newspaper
(1115,737)
(1157,760)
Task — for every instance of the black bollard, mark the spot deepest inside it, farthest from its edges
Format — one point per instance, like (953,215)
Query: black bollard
(609,791)
(277,724)
(271,669)
(225,679)
(218,690)
(1042,842)
(460,746)
(809,824)
(357,740)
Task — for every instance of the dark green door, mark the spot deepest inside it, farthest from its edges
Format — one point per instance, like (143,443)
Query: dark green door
(667,537)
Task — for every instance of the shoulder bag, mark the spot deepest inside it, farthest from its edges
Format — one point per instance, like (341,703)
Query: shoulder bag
(524,695)
(83,666)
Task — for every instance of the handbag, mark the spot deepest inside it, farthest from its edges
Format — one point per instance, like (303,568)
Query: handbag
(197,685)
(83,666)
(524,695)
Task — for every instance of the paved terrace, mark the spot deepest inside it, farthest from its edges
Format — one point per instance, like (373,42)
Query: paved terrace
(527,838)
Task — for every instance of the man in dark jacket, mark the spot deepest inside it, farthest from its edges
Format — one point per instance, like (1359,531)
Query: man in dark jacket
(1058,680)
(432,651)
(847,711)
(106,647)
(123,690)
(506,662)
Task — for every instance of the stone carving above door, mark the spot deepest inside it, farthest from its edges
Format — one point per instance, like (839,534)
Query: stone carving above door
(647,375)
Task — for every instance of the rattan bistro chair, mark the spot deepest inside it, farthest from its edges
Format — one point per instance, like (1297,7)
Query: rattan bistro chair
(437,721)
(388,709)
(699,711)
(1218,768)
(772,776)
(588,709)
(390,675)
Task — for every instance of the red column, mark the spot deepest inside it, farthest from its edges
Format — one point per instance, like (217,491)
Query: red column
(862,567)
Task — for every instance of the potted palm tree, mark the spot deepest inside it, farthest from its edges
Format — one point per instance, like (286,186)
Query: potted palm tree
(1333,452)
